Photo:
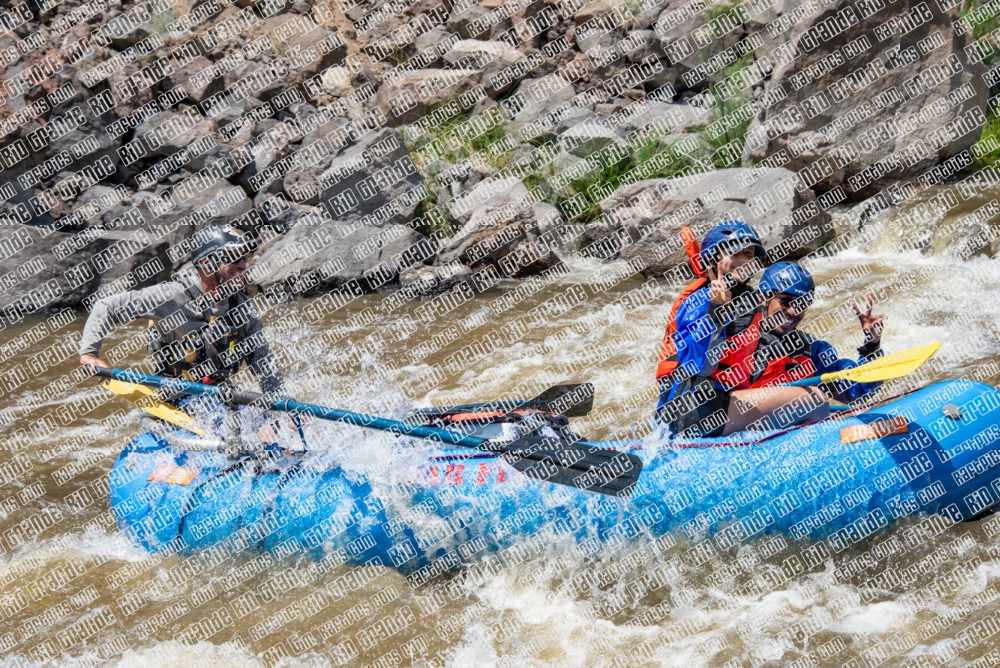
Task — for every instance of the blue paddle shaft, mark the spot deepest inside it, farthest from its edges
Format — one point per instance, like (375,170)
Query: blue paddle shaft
(382,424)
(323,412)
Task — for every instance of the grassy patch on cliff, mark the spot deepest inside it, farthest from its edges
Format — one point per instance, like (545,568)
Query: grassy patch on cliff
(980,19)
(649,161)
(728,115)
(447,143)
(987,149)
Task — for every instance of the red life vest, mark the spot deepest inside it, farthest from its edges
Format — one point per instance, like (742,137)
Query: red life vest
(786,369)
(736,363)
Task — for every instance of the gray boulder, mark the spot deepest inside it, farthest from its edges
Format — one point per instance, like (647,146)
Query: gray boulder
(684,32)
(645,217)
(485,194)
(196,77)
(482,52)
(270,89)
(546,101)
(264,154)
(414,95)
(828,129)
(434,280)
(92,129)
(218,204)
(71,268)
(302,48)
(435,43)
(164,143)
(493,58)
(371,181)
(320,254)
(548,218)
(467,23)
(572,116)
(144,96)
(368,194)
(504,236)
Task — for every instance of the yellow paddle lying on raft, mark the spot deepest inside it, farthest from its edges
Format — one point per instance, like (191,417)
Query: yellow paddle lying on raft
(149,400)
(888,367)
(893,365)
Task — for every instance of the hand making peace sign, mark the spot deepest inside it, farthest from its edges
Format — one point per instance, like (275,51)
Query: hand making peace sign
(718,291)
(871,324)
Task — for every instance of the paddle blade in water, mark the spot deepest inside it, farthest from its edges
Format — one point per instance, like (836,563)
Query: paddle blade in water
(573,400)
(569,399)
(582,466)
(893,365)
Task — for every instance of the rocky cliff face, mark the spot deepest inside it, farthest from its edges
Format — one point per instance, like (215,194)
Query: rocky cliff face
(366,140)
(864,97)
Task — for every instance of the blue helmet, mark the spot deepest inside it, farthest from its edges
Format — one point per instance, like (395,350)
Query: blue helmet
(731,236)
(789,278)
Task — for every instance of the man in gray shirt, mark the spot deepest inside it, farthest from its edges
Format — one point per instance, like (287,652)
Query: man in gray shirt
(202,332)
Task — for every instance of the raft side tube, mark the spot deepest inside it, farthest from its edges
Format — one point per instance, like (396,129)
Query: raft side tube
(804,484)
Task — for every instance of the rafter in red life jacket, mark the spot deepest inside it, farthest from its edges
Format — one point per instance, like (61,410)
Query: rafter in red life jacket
(793,363)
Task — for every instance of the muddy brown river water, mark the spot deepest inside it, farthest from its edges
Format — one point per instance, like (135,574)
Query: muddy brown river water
(75,591)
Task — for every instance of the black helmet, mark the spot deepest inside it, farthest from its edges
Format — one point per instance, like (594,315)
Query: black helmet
(224,243)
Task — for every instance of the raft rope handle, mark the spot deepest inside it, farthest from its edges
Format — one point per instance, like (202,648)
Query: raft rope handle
(186,508)
(836,416)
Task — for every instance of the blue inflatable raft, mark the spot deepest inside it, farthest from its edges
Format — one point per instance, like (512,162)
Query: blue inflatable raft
(936,450)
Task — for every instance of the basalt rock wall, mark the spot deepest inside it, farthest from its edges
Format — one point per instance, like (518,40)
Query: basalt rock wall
(398,134)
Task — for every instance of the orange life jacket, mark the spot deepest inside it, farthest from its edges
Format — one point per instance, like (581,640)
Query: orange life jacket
(736,363)
(668,352)
(786,369)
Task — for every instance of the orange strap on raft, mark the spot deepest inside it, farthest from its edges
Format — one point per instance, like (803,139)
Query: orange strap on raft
(693,250)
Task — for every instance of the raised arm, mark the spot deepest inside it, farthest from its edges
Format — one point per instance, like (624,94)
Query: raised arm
(117,310)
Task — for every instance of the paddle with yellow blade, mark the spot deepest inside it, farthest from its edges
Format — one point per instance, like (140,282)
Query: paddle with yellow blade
(149,401)
(893,365)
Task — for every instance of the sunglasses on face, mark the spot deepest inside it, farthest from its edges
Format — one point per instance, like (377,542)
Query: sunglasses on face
(230,258)
(800,304)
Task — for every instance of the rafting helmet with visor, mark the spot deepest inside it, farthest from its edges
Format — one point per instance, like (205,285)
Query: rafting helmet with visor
(789,278)
(731,237)
(220,244)
(192,349)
